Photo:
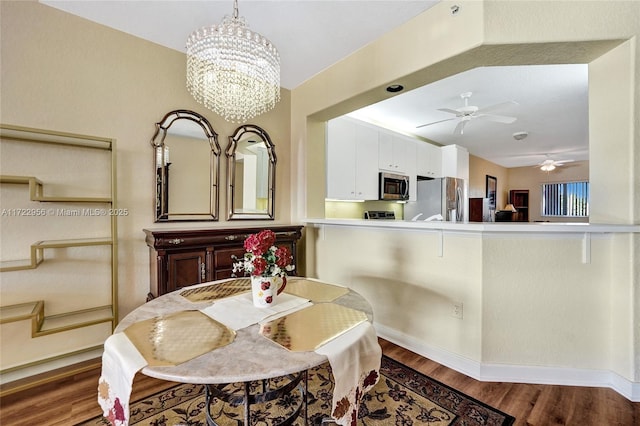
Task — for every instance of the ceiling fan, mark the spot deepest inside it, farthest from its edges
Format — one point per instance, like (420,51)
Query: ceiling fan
(549,164)
(468,112)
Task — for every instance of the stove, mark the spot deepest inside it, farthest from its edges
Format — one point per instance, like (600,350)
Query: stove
(380,214)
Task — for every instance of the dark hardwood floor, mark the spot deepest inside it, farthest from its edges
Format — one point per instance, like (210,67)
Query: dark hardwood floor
(72,400)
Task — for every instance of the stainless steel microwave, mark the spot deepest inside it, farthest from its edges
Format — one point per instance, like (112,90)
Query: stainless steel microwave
(393,186)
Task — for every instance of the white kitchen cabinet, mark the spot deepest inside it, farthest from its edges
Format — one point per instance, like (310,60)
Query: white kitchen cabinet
(455,161)
(393,153)
(428,160)
(352,160)
(411,151)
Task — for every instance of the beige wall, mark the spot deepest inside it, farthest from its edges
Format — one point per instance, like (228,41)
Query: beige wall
(479,168)
(64,73)
(435,45)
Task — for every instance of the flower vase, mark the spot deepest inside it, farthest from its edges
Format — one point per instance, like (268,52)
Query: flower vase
(265,289)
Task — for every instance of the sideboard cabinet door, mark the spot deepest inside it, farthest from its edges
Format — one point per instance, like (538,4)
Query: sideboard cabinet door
(185,269)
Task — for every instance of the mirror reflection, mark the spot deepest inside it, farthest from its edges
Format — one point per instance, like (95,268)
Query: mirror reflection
(251,161)
(186,160)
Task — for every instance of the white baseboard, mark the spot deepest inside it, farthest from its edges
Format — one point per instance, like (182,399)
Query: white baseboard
(514,373)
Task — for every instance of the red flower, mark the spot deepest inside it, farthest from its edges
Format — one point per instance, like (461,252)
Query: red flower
(283,256)
(259,266)
(259,243)
(251,244)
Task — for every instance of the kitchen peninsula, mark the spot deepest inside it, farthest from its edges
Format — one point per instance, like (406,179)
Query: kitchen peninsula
(497,301)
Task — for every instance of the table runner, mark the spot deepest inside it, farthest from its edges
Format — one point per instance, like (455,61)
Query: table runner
(120,362)
(239,312)
(355,359)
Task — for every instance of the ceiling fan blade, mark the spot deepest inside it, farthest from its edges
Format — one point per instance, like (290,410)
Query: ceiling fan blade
(459,130)
(435,122)
(496,107)
(563,161)
(450,111)
(498,118)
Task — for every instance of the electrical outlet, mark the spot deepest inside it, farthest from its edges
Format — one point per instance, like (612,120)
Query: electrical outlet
(456,310)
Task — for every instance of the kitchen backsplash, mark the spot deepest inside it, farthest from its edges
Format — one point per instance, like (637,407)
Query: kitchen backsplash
(355,210)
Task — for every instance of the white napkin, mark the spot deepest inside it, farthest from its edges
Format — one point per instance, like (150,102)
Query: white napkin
(355,361)
(120,363)
(238,312)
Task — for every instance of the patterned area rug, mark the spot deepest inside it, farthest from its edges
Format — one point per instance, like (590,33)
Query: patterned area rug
(402,397)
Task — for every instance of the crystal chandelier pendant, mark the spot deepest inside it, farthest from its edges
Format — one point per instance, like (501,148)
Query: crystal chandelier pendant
(232,70)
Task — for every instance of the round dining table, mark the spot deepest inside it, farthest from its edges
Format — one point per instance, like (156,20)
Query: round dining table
(249,357)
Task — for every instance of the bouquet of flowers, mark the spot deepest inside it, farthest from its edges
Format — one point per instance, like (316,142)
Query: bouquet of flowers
(263,258)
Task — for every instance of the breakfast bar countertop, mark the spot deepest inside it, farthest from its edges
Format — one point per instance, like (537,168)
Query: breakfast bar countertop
(481,227)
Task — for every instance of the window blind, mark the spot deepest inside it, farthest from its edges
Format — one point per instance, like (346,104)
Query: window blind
(569,199)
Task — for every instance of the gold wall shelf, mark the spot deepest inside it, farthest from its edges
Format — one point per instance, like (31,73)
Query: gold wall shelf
(37,252)
(42,325)
(33,311)
(36,191)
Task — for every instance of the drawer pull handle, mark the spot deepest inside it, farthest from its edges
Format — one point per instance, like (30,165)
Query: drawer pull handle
(231,237)
(176,241)
(202,272)
(286,234)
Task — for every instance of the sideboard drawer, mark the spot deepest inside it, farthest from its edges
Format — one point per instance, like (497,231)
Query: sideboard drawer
(222,258)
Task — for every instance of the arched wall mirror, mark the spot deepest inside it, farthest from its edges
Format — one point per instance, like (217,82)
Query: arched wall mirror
(251,174)
(186,157)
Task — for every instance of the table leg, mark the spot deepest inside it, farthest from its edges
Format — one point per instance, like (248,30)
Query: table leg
(247,405)
(299,382)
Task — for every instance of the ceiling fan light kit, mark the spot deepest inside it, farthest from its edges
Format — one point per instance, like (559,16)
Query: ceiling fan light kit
(549,164)
(232,70)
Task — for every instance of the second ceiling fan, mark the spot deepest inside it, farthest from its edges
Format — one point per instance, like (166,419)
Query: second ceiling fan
(468,112)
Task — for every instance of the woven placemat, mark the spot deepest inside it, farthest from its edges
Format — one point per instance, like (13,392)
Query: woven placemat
(217,291)
(178,337)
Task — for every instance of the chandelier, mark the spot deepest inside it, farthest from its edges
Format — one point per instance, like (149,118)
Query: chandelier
(232,70)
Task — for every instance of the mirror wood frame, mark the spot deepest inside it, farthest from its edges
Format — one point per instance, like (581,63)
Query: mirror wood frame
(162,212)
(233,213)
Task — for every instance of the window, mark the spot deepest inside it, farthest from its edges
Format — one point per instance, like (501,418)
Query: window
(569,199)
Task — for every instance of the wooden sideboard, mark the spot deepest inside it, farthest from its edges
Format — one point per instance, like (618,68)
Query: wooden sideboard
(183,257)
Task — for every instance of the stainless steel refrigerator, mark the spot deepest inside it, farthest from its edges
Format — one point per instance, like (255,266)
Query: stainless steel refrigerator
(442,196)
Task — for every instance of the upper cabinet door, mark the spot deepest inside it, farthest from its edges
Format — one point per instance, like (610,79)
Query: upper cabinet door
(341,159)
(366,183)
(395,153)
(385,151)
(428,160)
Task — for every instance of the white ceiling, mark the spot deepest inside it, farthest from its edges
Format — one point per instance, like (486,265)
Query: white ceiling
(550,105)
(313,35)
(309,35)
